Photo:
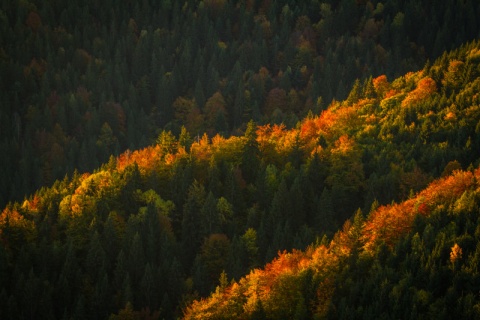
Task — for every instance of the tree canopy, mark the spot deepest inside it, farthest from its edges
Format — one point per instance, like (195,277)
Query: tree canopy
(239,159)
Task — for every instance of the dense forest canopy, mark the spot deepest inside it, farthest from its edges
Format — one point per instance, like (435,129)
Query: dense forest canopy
(415,260)
(84,80)
(239,159)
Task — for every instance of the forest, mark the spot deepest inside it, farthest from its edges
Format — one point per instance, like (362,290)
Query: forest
(224,159)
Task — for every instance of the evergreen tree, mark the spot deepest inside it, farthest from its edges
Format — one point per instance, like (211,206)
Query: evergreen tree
(136,264)
(251,153)
(149,289)
(96,263)
(191,235)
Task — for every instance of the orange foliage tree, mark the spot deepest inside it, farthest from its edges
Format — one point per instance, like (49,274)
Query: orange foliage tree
(453,76)
(425,88)
(146,158)
(15,230)
(278,288)
(388,223)
(381,85)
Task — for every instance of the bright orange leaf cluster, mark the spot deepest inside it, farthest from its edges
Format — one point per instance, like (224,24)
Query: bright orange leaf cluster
(269,286)
(145,158)
(275,287)
(425,88)
(388,223)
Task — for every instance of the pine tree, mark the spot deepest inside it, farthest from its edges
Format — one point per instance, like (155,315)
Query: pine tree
(96,259)
(281,209)
(209,216)
(184,139)
(191,236)
(102,297)
(298,215)
(251,153)
(238,105)
(149,289)
(136,263)
(199,95)
(325,214)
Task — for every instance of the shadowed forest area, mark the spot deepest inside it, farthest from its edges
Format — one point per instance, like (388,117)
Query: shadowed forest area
(239,159)
(84,80)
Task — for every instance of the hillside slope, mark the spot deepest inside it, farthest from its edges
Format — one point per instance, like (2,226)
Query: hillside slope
(154,229)
(82,80)
(416,259)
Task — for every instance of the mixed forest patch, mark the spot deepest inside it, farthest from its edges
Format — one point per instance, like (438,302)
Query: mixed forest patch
(84,80)
(205,159)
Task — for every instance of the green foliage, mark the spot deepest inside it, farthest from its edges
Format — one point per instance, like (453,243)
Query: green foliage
(155,228)
(79,91)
